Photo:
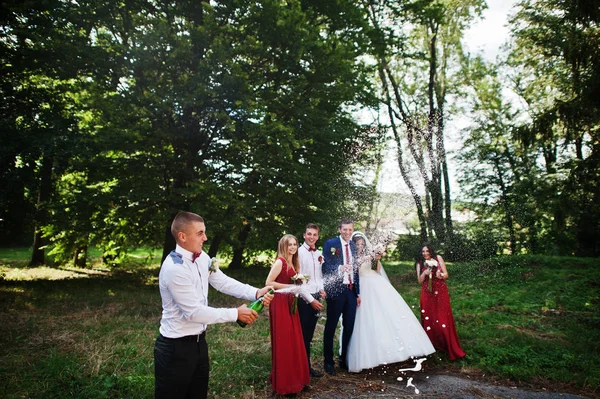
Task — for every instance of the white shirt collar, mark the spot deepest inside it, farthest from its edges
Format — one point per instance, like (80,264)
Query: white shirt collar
(184,252)
(305,245)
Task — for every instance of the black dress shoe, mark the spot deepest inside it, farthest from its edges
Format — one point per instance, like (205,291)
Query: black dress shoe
(329,369)
(315,373)
(343,365)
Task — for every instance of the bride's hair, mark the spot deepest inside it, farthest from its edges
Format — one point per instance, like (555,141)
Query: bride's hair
(282,250)
(358,238)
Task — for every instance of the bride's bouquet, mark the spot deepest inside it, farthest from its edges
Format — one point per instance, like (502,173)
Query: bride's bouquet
(430,263)
(298,279)
(378,250)
(376,253)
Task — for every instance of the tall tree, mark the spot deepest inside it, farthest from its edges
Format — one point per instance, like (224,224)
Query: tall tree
(492,165)
(555,47)
(418,51)
(534,166)
(44,66)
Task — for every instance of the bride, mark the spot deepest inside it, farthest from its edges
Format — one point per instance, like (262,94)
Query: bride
(386,330)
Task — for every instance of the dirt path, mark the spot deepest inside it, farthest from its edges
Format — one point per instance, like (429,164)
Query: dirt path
(422,385)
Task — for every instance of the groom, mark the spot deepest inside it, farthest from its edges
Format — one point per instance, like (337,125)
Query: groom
(343,292)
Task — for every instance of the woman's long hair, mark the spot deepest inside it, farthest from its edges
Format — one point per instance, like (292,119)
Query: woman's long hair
(282,250)
(420,260)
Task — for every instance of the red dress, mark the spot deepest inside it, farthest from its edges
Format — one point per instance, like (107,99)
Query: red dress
(437,318)
(289,370)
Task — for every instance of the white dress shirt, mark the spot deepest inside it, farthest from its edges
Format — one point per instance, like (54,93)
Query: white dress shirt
(347,261)
(311,264)
(347,275)
(183,285)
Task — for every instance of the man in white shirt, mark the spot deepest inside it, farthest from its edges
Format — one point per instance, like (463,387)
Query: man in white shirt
(181,364)
(311,260)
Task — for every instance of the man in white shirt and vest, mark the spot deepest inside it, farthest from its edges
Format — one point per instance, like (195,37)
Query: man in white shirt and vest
(181,364)
(311,261)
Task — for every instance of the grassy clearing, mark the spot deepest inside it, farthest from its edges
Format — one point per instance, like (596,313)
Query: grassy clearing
(89,333)
(532,318)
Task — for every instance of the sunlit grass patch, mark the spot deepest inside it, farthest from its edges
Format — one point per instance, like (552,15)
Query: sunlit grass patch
(20,255)
(47,273)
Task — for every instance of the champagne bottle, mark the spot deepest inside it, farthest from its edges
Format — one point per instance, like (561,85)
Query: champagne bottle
(256,305)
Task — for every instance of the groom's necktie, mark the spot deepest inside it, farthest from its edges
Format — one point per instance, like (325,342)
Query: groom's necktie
(195,256)
(348,260)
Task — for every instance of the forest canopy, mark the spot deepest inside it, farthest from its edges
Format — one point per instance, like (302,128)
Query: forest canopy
(115,116)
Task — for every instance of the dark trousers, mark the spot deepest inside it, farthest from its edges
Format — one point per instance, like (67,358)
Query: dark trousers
(308,321)
(343,304)
(181,367)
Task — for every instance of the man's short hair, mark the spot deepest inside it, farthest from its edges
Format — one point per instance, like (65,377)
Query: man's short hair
(345,221)
(312,226)
(182,220)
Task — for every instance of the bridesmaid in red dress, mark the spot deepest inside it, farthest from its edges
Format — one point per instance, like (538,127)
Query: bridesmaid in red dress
(436,312)
(289,370)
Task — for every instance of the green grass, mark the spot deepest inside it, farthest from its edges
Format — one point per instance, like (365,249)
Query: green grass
(88,333)
(531,318)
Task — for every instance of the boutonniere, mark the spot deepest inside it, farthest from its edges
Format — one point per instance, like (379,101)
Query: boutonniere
(320,259)
(213,267)
(335,251)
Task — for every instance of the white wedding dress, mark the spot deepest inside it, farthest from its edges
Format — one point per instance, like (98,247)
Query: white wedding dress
(386,330)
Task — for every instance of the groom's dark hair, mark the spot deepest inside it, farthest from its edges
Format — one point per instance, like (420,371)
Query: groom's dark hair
(345,221)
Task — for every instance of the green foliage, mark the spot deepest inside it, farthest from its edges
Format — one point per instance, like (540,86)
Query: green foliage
(407,247)
(115,116)
(237,110)
(528,172)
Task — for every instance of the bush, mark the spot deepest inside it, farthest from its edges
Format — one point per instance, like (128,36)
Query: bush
(460,247)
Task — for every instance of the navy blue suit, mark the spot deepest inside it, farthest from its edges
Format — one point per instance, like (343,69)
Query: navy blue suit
(340,299)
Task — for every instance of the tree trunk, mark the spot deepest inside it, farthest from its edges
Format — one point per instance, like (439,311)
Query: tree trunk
(80,256)
(441,149)
(44,194)
(436,216)
(434,186)
(238,251)
(169,243)
(399,152)
(215,243)
(37,257)
(508,216)
(372,217)
(447,201)
(429,213)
